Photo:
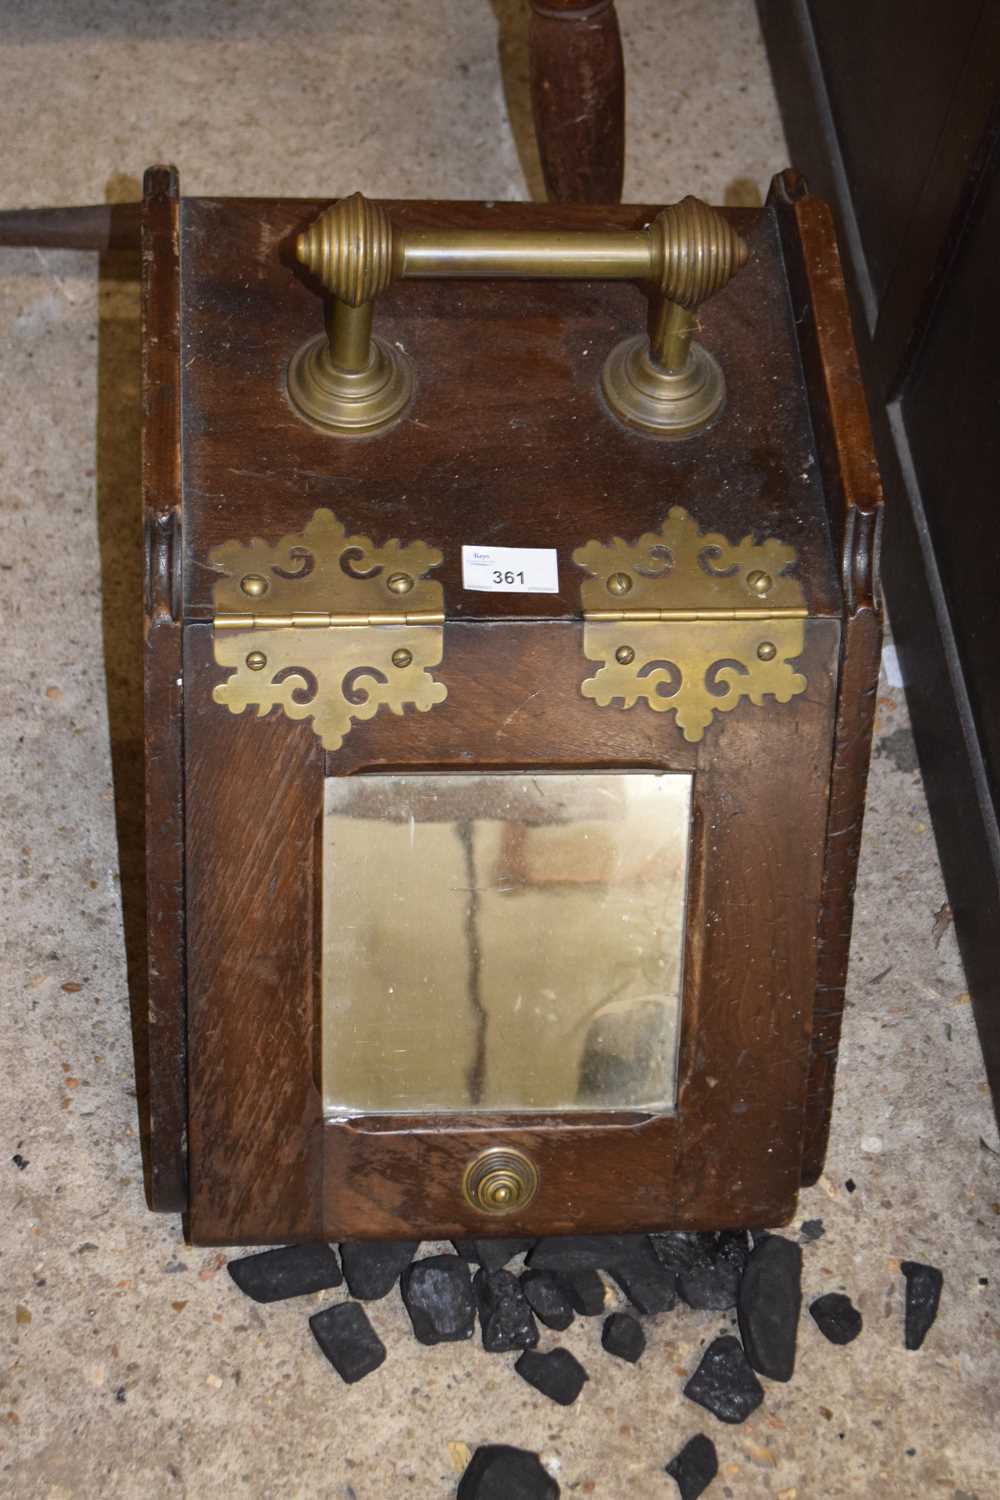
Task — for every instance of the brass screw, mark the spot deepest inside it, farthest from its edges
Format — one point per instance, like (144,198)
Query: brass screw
(402,657)
(619,583)
(624,655)
(767,651)
(253,585)
(399,583)
(256,661)
(759,583)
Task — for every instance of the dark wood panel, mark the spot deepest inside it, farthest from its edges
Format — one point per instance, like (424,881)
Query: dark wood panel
(951,685)
(164,1086)
(891,73)
(508,440)
(949,407)
(732,1154)
(854,495)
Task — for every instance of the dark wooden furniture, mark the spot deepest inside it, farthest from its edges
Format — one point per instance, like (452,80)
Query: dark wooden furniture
(516,447)
(578,98)
(892,113)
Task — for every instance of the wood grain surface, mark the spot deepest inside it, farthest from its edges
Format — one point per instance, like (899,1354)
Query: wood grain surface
(508,442)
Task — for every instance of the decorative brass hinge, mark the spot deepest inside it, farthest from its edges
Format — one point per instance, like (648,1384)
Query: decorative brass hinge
(328,626)
(691,622)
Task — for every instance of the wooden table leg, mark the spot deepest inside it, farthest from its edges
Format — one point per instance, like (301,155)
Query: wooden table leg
(578,98)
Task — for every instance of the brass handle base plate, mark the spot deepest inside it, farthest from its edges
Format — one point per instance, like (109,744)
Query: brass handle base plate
(500,1181)
(352,403)
(662,403)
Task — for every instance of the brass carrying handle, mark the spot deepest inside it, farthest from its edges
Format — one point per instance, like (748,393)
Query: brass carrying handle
(664,383)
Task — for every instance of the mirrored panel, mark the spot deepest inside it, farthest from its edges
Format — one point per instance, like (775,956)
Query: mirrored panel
(503,942)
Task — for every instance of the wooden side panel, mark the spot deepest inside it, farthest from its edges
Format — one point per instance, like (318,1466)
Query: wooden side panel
(254,799)
(578,98)
(854,496)
(164,1087)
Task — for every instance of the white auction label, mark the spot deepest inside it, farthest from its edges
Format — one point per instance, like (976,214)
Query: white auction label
(510,570)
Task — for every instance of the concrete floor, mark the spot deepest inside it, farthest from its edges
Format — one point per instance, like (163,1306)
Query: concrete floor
(132,1366)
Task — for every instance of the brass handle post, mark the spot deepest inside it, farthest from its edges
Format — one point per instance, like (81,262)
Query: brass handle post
(664,383)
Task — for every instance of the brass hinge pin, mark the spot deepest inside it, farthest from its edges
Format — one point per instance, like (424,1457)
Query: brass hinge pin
(319,621)
(632,616)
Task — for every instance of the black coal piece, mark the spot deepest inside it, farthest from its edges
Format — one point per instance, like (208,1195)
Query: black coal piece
(348,1340)
(682,1249)
(923,1293)
(493,1254)
(556,1374)
(694,1467)
(649,1285)
(623,1337)
(504,1314)
(372,1267)
(583,1252)
(292,1271)
(548,1295)
(437,1292)
(586,1292)
(709,1266)
(724,1383)
(769,1302)
(836,1317)
(497,1472)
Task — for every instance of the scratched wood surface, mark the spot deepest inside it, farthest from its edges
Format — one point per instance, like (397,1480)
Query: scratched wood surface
(507,442)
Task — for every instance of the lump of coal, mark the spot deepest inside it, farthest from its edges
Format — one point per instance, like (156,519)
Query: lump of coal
(695,1466)
(623,1337)
(681,1248)
(292,1271)
(648,1284)
(348,1340)
(438,1296)
(812,1230)
(556,1374)
(493,1254)
(724,1383)
(497,1472)
(504,1315)
(372,1267)
(836,1317)
(548,1296)
(769,1303)
(583,1252)
(923,1293)
(708,1266)
(586,1292)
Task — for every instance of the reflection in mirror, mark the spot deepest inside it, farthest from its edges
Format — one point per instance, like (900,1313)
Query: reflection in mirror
(503,941)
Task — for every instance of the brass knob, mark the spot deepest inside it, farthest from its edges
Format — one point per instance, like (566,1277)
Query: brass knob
(500,1180)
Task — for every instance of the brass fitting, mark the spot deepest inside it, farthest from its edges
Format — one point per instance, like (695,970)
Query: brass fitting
(662,382)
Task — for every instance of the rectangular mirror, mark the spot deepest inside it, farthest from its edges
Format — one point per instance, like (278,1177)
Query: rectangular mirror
(503,942)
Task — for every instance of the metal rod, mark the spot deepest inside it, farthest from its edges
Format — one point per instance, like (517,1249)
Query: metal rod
(618,255)
(671,329)
(351,336)
(104,226)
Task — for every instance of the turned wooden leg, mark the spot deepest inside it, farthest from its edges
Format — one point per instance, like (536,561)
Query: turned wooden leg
(578,98)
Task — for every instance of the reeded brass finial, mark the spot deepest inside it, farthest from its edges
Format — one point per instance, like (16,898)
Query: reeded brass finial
(699,251)
(664,384)
(349,248)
